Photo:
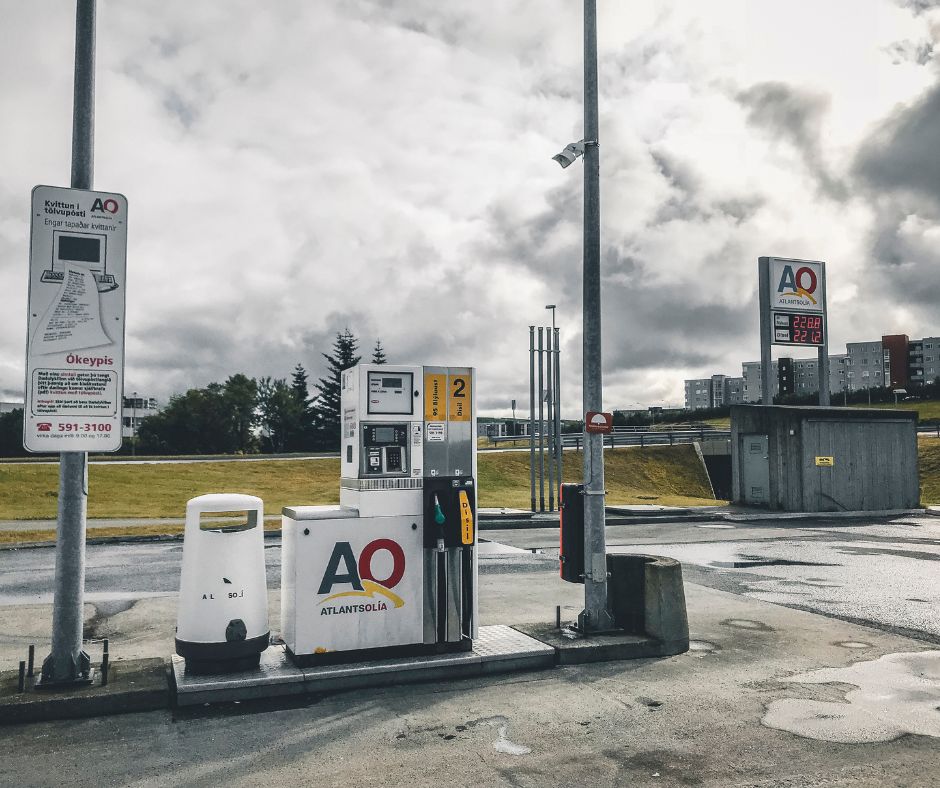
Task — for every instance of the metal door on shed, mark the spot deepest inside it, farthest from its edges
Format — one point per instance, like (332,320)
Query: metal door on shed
(755,469)
(874,466)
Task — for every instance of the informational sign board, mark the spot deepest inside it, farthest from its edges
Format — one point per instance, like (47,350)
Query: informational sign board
(601,423)
(75,328)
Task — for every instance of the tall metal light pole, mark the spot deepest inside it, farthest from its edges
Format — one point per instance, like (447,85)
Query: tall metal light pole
(67,664)
(595,617)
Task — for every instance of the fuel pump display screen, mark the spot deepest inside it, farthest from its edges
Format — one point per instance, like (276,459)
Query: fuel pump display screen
(384,435)
(391,393)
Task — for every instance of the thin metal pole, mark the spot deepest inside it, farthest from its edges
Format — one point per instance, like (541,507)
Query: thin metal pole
(823,364)
(541,355)
(559,445)
(595,617)
(550,399)
(67,663)
(766,362)
(532,414)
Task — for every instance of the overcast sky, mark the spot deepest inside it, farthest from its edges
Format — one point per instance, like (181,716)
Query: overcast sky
(295,168)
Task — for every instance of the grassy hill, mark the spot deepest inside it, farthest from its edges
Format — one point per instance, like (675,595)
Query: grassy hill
(664,474)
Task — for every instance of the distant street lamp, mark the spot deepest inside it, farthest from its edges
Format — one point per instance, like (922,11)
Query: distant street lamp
(134,425)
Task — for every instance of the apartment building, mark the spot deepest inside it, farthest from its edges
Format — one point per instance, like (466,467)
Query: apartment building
(714,392)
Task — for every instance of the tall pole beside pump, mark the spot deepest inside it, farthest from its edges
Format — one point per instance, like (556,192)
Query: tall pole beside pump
(67,664)
(541,364)
(532,413)
(559,446)
(595,617)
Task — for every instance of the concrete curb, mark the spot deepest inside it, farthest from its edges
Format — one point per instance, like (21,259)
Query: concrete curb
(854,515)
(133,685)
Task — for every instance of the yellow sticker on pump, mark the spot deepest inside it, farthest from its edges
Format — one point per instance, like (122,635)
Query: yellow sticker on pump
(466,518)
(435,397)
(458,405)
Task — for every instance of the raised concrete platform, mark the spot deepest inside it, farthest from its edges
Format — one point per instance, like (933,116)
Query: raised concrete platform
(133,685)
(573,648)
(498,649)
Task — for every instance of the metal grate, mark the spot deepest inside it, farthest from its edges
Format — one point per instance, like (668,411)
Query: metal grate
(500,641)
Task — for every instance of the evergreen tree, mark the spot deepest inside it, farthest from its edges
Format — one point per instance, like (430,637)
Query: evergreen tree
(300,389)
(378,353)
(327,403)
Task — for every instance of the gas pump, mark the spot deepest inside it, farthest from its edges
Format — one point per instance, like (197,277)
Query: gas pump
(393,568)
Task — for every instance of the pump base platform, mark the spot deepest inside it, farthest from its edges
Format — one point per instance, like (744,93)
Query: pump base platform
(498,649)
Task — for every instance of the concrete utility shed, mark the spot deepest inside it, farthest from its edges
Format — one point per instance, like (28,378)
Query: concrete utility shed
(813,459)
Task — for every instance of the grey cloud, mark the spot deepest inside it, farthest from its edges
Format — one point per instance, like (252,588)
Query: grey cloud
(911,51)
(672,326)
(902,156)
(918,6)
(796,116)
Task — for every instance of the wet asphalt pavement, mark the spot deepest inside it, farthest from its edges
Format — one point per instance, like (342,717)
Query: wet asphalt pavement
(880,573)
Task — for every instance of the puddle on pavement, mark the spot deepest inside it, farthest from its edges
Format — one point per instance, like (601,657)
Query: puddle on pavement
(747,561)
(916,554)
(703,646)
(715,525)
(894,695)
(851,644)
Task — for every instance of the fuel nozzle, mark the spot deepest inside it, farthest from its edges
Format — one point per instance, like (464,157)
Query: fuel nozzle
(439,519)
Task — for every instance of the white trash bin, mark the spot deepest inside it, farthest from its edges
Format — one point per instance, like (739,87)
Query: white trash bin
(222,619)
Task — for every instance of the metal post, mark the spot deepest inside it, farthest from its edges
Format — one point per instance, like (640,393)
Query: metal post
(67,663)
(541,355)
(823,364)
(134,426)
(595,617)
(532,414)
(559,446)
(763,298)
(550,401)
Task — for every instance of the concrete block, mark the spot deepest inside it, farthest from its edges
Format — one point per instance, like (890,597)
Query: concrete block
(647,597)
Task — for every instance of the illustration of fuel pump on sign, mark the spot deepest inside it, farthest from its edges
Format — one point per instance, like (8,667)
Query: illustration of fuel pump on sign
(392,569)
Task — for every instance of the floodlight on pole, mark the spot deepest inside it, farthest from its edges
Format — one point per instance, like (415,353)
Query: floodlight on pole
(572,152)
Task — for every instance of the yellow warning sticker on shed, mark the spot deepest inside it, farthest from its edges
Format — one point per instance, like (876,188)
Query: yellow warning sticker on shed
(825,462)
(458,407)
(435,393)
(466,518)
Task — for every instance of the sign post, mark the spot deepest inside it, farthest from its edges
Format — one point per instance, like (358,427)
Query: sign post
(792,296)
(67,301)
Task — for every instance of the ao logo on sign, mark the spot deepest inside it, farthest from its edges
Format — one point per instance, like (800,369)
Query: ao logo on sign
(108,205)
(344,569)
(801,283)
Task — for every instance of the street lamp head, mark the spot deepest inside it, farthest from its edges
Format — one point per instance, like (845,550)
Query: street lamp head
(549,306)
(570,154)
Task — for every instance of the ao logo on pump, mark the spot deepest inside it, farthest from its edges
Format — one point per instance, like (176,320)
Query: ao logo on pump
(358,581)
(796,285)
